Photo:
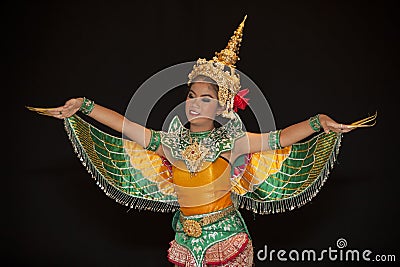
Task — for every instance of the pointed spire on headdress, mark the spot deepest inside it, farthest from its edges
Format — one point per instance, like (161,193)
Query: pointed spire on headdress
(229,55)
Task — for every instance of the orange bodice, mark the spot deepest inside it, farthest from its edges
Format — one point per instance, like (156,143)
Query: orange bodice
(205,191)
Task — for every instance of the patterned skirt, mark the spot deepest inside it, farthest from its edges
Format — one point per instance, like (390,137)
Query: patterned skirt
(225,242)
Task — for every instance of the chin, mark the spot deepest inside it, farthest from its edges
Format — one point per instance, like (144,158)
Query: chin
(198,120)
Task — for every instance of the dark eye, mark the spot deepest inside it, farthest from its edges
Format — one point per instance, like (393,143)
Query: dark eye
(190,95)
(206,99)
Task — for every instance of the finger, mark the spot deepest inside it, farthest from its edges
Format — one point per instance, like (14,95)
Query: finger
(361,125)
(345,129)
(341,127)
(45,114)
(68,113)
(51,111)
(326,129)
(58,116)
(334,128)
(57,112)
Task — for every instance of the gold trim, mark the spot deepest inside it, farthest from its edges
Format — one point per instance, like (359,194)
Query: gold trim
(194,228)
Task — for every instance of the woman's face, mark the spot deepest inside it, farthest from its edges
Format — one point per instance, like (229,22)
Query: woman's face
(202,103)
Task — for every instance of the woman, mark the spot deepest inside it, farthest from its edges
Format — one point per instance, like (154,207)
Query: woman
(205,172)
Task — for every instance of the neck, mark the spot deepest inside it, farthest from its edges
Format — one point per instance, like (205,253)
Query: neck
(201,128)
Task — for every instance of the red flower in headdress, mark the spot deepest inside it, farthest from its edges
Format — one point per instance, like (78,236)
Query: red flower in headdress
(240,101)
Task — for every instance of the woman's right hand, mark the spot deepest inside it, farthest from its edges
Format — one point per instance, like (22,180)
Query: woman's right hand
(67,110)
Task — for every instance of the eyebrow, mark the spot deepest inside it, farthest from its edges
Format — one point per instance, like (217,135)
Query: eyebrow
(201,95)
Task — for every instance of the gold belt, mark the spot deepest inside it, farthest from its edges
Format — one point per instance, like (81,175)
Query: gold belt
(194,228)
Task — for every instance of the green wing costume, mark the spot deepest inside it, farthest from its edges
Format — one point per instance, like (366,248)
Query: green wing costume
(264,182)
(284,179)
(124,170)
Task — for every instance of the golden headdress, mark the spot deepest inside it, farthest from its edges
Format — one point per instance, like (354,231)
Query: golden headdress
(222,70)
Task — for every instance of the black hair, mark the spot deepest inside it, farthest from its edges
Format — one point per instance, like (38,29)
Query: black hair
(205,79)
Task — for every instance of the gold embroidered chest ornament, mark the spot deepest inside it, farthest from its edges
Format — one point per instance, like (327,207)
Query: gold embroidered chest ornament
(194,154)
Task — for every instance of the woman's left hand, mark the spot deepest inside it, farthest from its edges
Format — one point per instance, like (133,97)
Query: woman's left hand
(329,124)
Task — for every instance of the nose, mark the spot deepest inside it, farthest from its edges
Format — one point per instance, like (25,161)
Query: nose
(194,102)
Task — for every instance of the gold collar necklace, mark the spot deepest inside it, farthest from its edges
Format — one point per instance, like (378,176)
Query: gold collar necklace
(196,151)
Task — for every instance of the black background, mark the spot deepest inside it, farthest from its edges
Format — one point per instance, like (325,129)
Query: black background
(308,57)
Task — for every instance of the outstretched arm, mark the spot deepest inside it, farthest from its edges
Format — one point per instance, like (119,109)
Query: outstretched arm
(255,142)
(301,130)
(106,116)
